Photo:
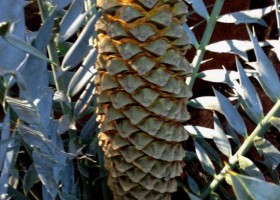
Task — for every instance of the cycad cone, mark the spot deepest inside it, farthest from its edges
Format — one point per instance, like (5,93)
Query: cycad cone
(141,94)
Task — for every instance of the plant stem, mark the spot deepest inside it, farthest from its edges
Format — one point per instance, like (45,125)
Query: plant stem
(211,22)
(59,82)
(259,131)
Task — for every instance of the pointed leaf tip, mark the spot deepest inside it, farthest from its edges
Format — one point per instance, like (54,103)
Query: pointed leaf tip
(268,77)
(251,188)
(231,114)
(250,100)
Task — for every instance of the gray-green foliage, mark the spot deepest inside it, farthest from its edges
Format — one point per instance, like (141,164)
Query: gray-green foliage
(243,98)
(40,119)
(44,121)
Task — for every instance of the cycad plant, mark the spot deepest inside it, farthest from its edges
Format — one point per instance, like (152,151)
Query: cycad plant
(142,95)
(130,55)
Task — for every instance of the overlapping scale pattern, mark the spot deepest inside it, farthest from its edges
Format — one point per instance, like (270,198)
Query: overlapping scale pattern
(141,95)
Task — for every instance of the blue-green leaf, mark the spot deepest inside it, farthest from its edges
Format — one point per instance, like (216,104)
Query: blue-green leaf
(192,196)
(68,178)
(60,3)
(205,161)
(267,75)
(237,47)
(44,107)
(60,96)
(222,105)
(5,135)
(220,138)
(35,76)
(247,16)
(219,76)
(90,128)
(191,35)
(249,167)
(85,99)
(12,192)
(275,121)
(232,133)
(251,188)
(36,71)
(270,152)
(64,124)
(72,20)
(83,74)
(24,46)
(199,131)
(46,193)
(250,100)
(212,153)
(11,12)
(199,7)
(29,179)
(190,156)
(193,185)
(9,161)
(24,109)
(44,165)
(80,48)
(36,139)
(231,114)
(24,92)
(4,72)
(206,102)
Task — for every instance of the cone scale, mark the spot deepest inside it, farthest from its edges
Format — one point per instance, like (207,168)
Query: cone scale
(141,95)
